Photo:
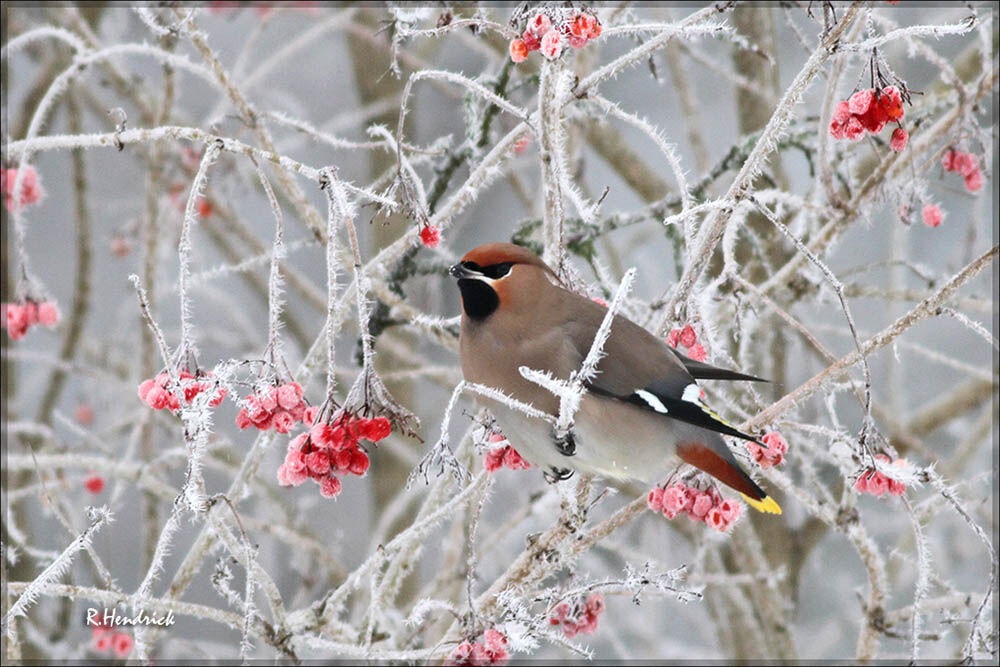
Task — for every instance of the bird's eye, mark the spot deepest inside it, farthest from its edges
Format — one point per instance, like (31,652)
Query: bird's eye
(497,271)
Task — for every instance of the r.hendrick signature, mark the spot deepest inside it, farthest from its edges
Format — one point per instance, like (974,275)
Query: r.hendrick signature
(112,618)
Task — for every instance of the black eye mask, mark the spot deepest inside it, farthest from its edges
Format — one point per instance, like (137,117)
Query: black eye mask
(497,271)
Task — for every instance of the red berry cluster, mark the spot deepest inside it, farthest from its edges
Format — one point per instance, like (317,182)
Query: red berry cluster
(503,455)
(104,639)
(687,338)
(542,34)
(491,651)
(965,164)
(707,506)
(869,110)
(430,236)
(772,453)
(327,450)
(580,616)
(31,189)
(18,317)
(94,484)
(876,483)
(278,408)
(159,393)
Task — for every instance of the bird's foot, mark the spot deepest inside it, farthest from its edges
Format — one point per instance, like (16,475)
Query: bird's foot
(554,474)
(565,444)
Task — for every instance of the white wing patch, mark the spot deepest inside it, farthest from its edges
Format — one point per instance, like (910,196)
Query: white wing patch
(692,394)
(652,401)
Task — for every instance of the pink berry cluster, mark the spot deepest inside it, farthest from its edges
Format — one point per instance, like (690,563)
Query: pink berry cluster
(707,506)
(491,651)
(581,616)
(542,34)
(104,639)
(870,110)
(877,484)
(430,236)
(278,407)
(967,165)
(94,484)
(772,453)
(19,317)
(31,188)
(503,455)
(687,338)
(327,450)
(158,393)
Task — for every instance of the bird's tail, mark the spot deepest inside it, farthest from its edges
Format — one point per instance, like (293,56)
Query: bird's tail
(767,504)
(711,455)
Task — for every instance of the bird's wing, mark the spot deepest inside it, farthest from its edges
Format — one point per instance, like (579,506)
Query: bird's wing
(702,371)
(643,370)
(640,369)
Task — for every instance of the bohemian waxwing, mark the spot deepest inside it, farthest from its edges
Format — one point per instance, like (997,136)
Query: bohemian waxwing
(642,408)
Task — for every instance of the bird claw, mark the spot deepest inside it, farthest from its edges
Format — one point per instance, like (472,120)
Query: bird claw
(554,474)
(565,444)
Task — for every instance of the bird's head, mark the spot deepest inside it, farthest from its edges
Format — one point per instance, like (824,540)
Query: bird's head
(499,275)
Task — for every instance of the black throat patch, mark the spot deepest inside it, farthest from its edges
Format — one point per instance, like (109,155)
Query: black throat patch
(478,298)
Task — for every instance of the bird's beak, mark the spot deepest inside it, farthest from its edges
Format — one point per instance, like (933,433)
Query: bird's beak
(461,271)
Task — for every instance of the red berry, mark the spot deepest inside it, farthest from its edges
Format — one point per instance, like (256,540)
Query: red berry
(31,189)
(84,414)
(531,41)
(854,130)
(891,103)
(359,462)
(318,462)
(974,180)
(243,420)
(655,499)
(540,24)
(430,236)
(204,207)
(122,643)
(552,44)
(94,484)
(48,314)
(375,429)
(932,215)
(688,337)
(697,352)
(329,487)
(860,101)
(494,459)
(875,119)
(513,460)
(518,51)
(899,139)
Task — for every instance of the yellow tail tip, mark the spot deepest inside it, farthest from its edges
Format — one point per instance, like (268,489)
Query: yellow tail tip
(766,505)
